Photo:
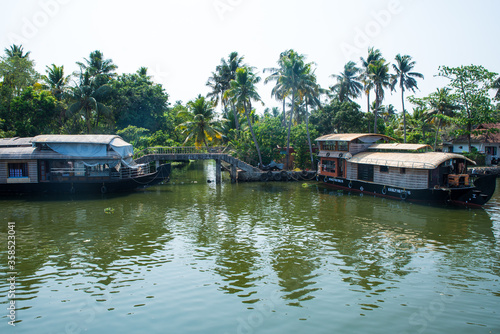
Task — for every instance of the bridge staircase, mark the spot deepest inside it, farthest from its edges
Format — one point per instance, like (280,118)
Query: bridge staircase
(218,154)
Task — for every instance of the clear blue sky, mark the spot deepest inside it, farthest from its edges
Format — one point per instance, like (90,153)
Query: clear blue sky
(181,41)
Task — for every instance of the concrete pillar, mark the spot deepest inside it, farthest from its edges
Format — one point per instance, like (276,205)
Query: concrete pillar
(234,175)
(157,164)
(218,167)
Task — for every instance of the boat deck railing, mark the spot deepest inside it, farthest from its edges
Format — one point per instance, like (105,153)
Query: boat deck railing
(180,150)
(123,173)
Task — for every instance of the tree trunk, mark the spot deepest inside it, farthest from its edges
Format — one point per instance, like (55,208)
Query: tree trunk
(437,134)
(206,145)
(284,112)
(309,139)
(235,114)
(253,134)
(375,112)
(368,101)
(404,113)
(289,129)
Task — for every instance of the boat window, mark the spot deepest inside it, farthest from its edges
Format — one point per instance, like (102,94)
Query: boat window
(343,146)
(18,170)
(402,171)
(329,146)
(384,169)
(329,166)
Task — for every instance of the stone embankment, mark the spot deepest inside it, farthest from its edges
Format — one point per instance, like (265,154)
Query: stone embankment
(485,170)
(276,176)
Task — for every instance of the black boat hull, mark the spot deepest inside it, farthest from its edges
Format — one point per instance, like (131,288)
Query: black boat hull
(103,186)
(468,196)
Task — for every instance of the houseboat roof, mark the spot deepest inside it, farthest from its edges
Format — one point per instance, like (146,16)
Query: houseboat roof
(428,160)
(15,142)
(75,139)
(365,137)
(66,147)
(399,147)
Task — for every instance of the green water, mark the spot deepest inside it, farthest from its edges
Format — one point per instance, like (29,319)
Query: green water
(195,257)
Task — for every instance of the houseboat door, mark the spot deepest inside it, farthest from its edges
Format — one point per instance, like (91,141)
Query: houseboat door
(43,170)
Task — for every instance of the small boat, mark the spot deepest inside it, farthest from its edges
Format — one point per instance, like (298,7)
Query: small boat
(375,164)
(73,164)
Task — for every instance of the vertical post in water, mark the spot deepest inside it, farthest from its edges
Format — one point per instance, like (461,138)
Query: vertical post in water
(218,168)
(234,175)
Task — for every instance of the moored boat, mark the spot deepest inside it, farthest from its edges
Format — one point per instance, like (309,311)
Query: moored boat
(375,164)
(73,164)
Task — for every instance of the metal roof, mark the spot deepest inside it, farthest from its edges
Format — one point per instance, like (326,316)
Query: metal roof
(428,160)
(75,139)
(399,147)
(15,142)
(365,137)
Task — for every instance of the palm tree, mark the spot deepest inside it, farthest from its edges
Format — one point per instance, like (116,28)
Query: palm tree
(220,81)
(406,78)
(16,51)
(374,55)
(279,91)
(241,93)
(56,80)
(442,108)
(292,75)
(311,98)
(348,86)
(379,75)
(202,126)
(87,99)
(99,68)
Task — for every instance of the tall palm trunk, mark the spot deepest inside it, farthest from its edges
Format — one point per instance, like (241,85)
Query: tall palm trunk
(368,101)
(375,112)
(284,112)
(309,139)
(247,113)
(235,113)
(404,113)
(368,105)
(437,134)
(289,129)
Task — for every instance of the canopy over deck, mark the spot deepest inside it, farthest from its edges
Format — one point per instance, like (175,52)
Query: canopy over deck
(364,137)
(399,147)
(67,147)
(428,160)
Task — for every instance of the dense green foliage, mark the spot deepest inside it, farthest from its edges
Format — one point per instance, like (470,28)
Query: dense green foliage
(96,99)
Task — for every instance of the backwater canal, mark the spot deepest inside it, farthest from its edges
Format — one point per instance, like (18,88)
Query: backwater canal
(195,257)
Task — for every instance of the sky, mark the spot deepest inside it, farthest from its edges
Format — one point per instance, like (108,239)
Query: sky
(182,41)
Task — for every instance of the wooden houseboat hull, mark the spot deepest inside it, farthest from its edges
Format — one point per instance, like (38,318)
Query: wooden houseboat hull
(468,196)
(87,186)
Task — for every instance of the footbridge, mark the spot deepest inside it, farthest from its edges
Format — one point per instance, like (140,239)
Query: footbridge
(219,154)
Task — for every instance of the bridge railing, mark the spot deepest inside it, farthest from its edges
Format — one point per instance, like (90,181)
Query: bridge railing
(179,150)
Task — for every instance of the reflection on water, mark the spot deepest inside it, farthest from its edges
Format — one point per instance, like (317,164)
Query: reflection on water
(192,256)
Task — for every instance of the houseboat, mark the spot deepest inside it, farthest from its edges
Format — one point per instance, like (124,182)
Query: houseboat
(374,164)
(73,164)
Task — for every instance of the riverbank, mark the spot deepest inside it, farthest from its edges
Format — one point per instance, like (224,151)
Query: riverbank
(486,170)
(283,175)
